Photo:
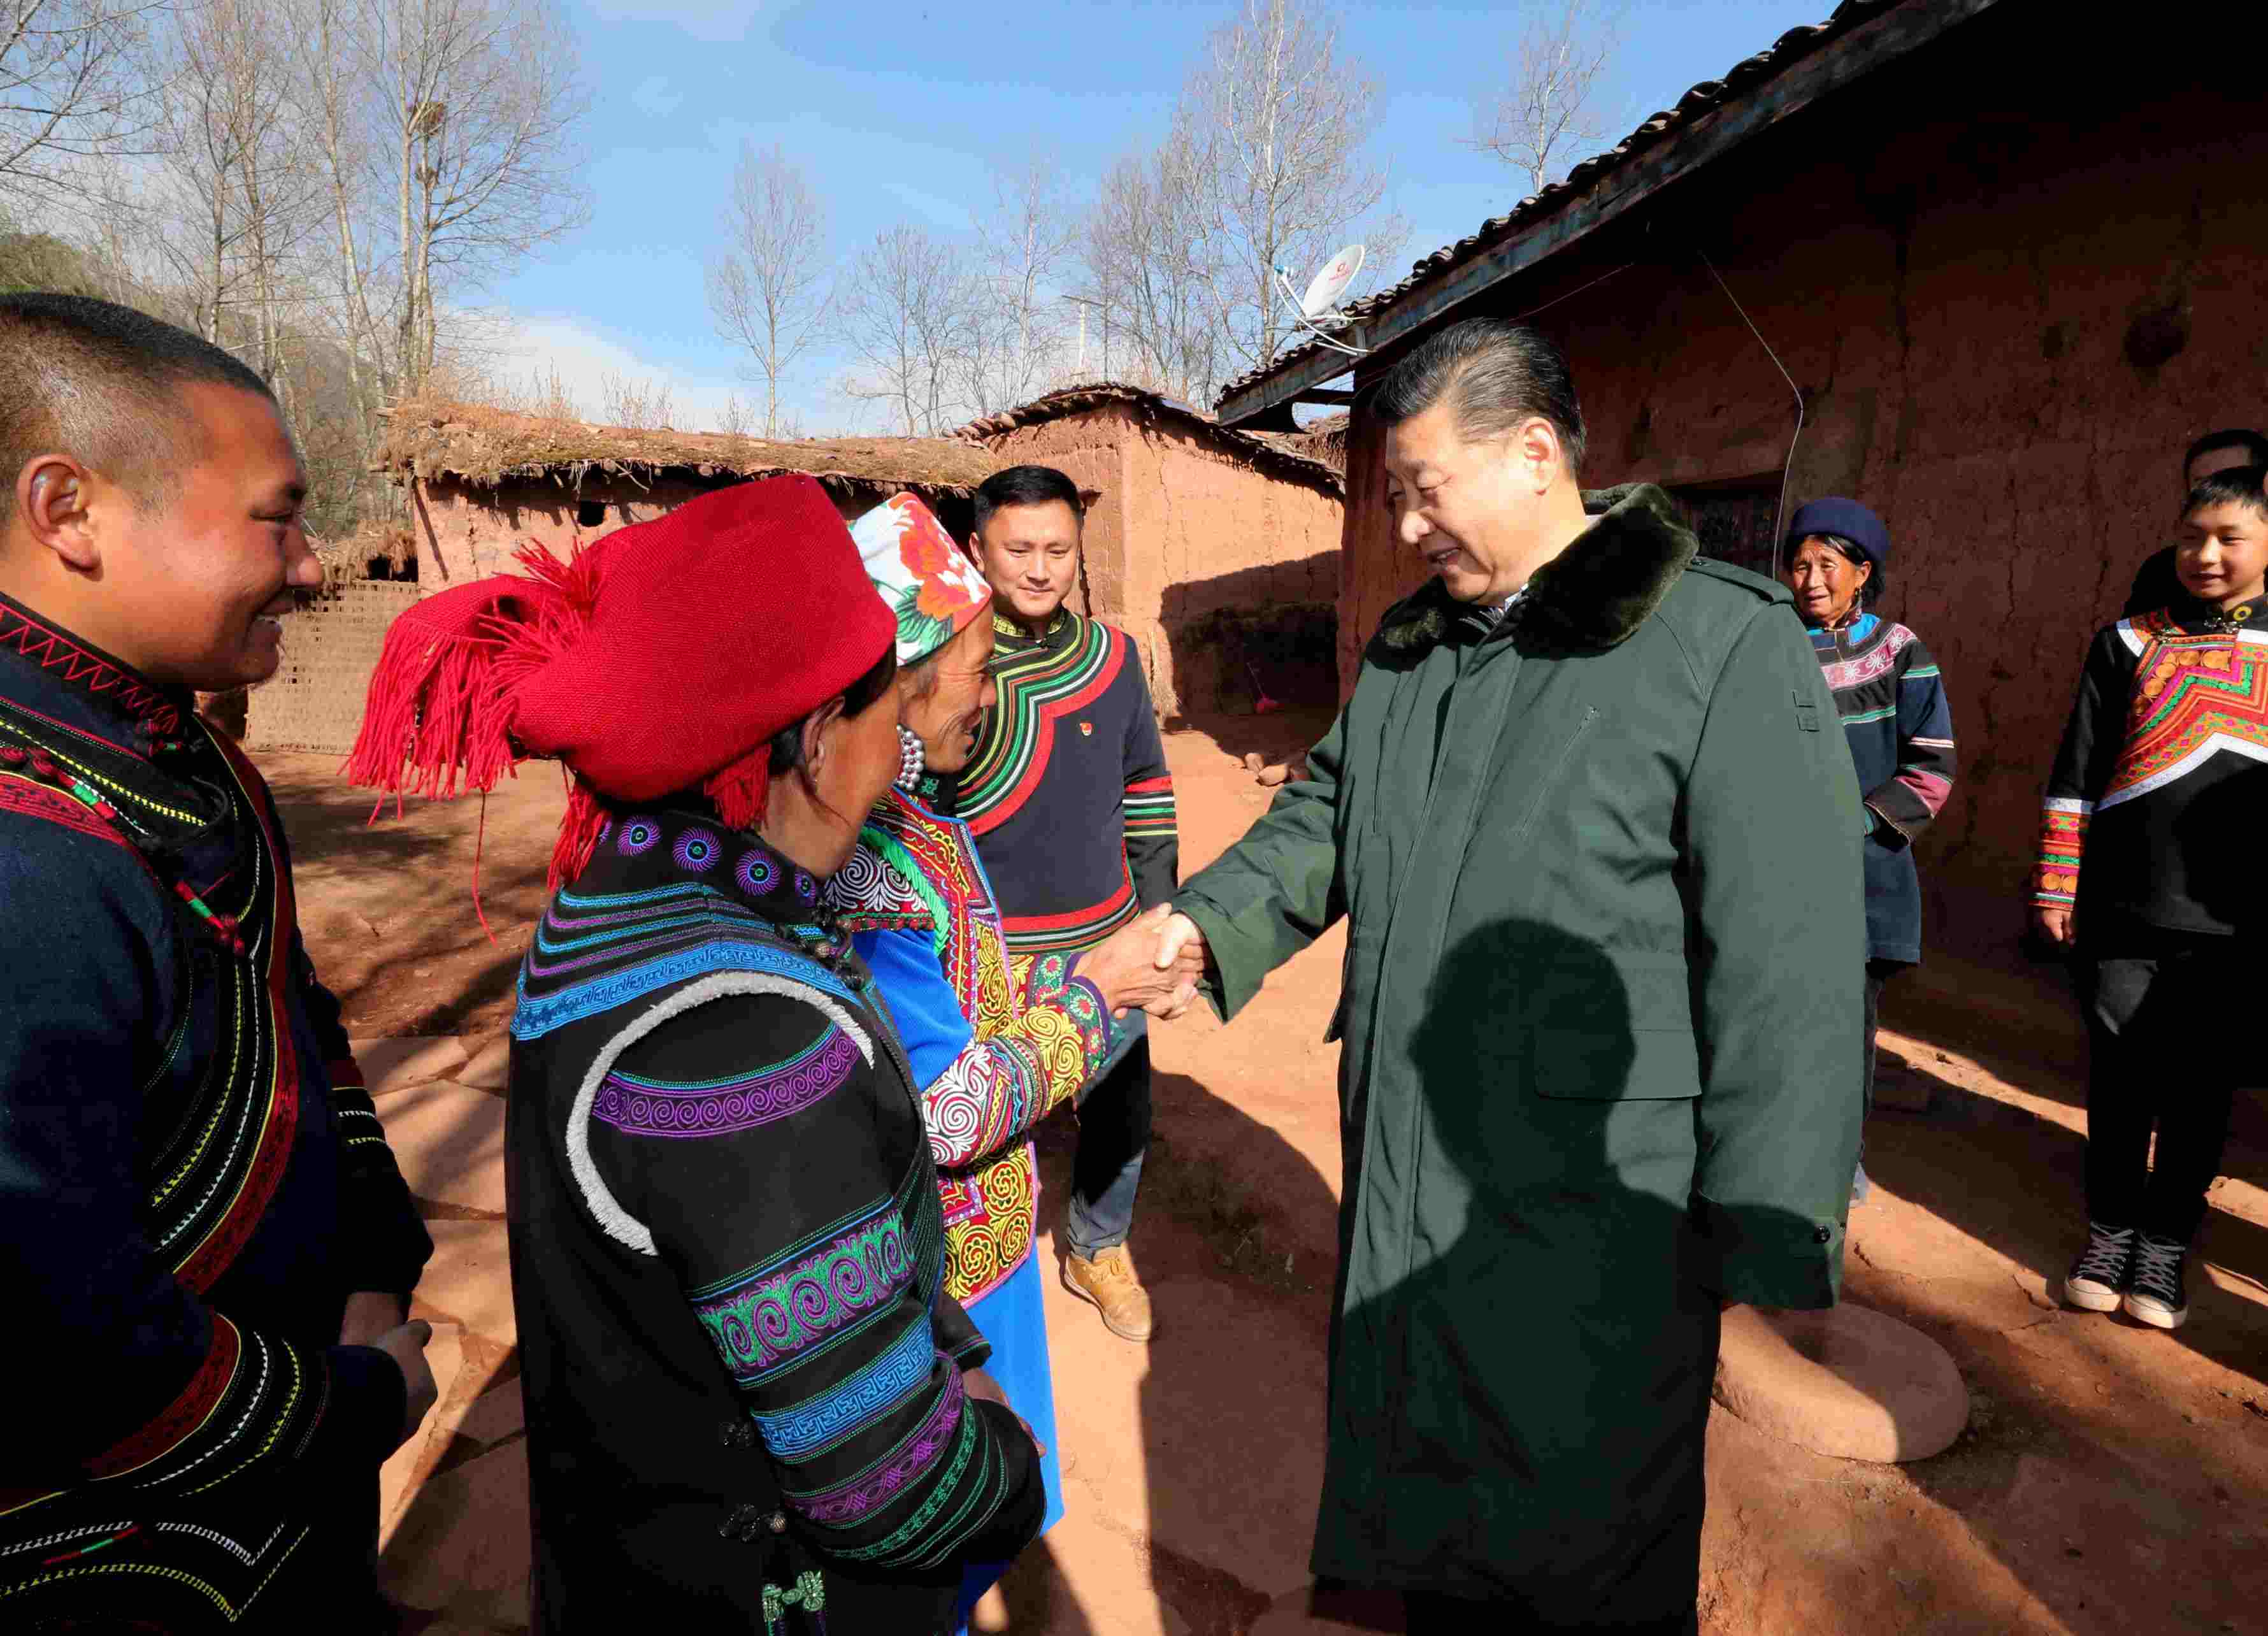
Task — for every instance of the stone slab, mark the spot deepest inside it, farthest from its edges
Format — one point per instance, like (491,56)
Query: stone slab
(1305,1612)
(468,1281)
(489,1067)
(449,1142)
(1848,1382)
(395,1065)
(463,1545)
(398,1479)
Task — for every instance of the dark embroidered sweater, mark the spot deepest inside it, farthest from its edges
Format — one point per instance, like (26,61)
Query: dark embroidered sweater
(192,1180)
(728,1261)
(2158,785)
(1067,791)
(1892,703)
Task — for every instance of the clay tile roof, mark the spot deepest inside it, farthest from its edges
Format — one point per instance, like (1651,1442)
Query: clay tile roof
(1701,99)
(484,448)
(1276,456)
(1323,440)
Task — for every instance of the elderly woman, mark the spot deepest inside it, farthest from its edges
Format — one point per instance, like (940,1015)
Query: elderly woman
(751,1404)
(1892,703)
(992,1059)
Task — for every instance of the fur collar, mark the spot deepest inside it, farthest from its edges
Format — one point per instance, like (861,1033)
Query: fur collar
(1590,598)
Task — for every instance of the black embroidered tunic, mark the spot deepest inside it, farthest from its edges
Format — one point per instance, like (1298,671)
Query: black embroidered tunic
(744,1378)
(192,1179)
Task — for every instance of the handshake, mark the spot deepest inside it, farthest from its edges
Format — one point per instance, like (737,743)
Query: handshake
(1153,963)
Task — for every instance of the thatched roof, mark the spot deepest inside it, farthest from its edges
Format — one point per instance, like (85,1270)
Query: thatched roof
(1261,454)
(1324,440)
(487,448)
(349,557)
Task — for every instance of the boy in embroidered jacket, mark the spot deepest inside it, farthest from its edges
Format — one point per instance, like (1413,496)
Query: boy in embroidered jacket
(207,1232)
(2147,871)
(1071,804)
(751,1404)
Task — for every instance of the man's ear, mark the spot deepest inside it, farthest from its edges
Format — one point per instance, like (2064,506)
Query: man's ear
(52,494)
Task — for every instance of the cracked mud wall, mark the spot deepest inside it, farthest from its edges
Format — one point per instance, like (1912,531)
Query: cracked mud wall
(2005,328)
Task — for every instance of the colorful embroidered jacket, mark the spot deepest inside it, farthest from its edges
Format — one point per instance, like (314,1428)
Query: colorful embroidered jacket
(994,1057)
(1067,789)
(728,1259)
(2163,777)
(192,1179)
(1896,715)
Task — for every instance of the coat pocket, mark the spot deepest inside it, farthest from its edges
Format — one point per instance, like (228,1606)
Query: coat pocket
(1618,1031)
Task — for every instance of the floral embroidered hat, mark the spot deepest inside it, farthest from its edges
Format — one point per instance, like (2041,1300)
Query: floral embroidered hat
(925,580)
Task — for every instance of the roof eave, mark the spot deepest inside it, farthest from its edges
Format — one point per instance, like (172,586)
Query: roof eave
(1612,195)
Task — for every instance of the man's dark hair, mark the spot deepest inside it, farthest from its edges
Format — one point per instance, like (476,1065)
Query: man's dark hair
(2239,485)
(101,383)
(1027,485)
(1852,553)
(1496,373)
(2253,445)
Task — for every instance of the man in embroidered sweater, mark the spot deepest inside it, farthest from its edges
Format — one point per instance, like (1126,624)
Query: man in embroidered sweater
(211,1250)
(1068,796)
(2146,872)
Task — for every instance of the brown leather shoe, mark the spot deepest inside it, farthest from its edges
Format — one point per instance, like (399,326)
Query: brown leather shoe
(1111,1285)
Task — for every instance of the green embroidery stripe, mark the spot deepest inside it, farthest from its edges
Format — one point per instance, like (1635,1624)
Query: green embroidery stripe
(941,1493)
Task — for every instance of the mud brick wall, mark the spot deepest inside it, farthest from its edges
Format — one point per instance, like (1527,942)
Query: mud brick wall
(330,648)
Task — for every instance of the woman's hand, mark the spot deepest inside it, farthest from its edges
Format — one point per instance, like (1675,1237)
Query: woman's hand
(2054,924)
(979,1384)
(1124,965)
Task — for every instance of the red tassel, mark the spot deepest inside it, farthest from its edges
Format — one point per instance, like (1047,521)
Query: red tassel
(741,791)
(578,834)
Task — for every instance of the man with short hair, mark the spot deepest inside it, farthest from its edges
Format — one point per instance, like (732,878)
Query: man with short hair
(1593,828)
(1072,807)
(210,1248)
(2157,586)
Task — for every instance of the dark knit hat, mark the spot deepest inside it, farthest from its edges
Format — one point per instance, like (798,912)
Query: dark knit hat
(1850,519)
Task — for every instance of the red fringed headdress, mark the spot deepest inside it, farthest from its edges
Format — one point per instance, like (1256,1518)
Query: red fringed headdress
(662,659)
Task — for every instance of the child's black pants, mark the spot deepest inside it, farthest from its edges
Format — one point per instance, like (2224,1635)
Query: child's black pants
(2170,1042)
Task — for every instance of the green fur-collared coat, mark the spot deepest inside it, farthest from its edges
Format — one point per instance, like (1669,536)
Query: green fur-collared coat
(1602,1023)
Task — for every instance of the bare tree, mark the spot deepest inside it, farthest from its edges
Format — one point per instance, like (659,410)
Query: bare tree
(244,200)
(1152,271)
(906,318)
(641,405)
(1017,321)
(1544,119)
(767,289)
(1278,120)
(732,420)
(70,90)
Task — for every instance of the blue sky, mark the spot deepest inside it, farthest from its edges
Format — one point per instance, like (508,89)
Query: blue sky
(900,111)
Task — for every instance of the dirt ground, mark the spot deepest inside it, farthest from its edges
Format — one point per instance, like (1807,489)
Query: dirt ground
(2112,1478)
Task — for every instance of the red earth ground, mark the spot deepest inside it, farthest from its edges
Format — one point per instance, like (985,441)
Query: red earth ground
(2111,1480)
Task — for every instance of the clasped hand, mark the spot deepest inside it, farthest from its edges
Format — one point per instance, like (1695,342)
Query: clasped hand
(1153,963)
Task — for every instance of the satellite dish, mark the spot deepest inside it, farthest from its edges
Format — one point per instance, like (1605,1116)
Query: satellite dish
(1329,285)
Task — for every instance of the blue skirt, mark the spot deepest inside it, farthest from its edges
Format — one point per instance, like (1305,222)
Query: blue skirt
(1014,1319)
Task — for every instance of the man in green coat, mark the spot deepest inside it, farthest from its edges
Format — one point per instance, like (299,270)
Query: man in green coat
(1591,819)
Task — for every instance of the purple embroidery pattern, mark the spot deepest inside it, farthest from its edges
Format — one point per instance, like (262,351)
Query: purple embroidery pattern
(638,836)
(851,1502)
(758,873)
(697,851)
(639,1106)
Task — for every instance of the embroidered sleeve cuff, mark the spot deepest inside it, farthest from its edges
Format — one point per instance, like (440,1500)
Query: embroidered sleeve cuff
(2063,841)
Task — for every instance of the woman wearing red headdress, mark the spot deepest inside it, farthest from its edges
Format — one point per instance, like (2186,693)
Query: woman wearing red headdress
(750,1401)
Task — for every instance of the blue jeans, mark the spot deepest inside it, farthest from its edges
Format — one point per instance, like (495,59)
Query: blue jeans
(1114,1133)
